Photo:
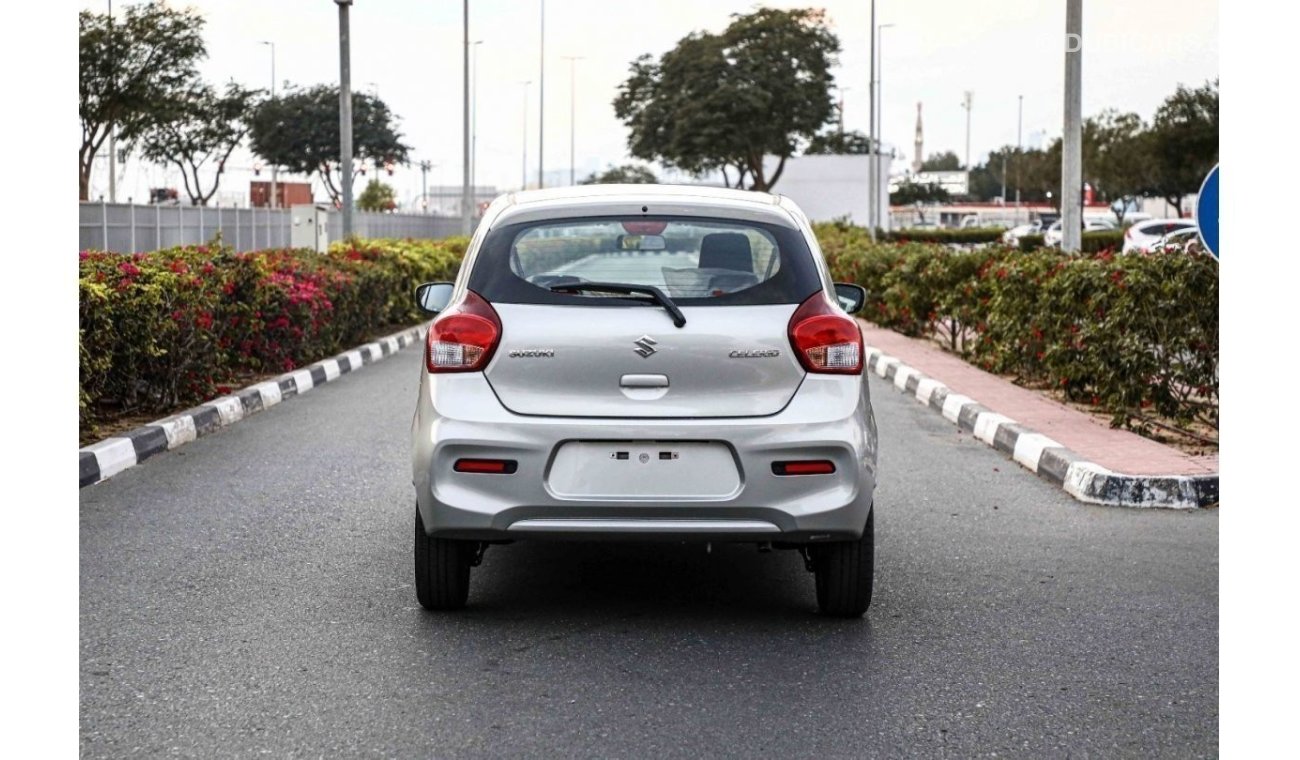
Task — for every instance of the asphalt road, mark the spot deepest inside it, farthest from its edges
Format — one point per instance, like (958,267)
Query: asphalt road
(250,593)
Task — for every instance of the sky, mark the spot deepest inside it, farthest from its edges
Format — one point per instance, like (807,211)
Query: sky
(409,52)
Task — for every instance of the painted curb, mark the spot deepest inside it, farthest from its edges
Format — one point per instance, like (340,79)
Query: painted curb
(1085,481)
(104,459)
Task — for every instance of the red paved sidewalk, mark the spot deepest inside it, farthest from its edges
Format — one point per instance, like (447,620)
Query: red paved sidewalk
(1117,450)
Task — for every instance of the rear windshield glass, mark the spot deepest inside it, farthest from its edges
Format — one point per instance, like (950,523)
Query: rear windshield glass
(694,261)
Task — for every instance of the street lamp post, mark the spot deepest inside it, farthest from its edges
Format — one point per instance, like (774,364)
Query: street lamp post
(1020,121)
(425,166)
(112,128)
(523,179)
(880,105)
(874,186)
(275,186)
(473,128)
(1072,135)
(541,99)
(466,220)
(967,102)
(573,99)
(345,113)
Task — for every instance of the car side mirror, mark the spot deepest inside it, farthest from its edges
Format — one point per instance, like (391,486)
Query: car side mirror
(432,297)
(851,297)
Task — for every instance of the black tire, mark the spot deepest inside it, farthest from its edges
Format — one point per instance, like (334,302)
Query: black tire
(441,570)
(844,572)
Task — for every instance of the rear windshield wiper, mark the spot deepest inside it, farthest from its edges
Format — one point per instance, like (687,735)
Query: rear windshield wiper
(657,295)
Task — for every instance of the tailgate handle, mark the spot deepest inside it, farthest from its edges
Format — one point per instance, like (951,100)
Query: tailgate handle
(644,381)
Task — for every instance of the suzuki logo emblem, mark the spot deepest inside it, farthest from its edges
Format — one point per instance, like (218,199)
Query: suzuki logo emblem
(645,345)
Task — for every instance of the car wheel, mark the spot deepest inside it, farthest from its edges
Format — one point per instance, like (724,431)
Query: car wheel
(441,569)
(844,572)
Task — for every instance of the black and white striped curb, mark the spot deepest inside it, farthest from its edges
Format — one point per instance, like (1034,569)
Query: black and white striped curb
(103,460)
(1086,481)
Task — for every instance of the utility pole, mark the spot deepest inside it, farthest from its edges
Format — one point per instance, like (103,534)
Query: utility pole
(112,128)
(1004,178)
(345,113)
(466,220)
(425,166)
(873,189)
(573,99)
(473,128)
(541,100)
(879,116)
(275,193)
(1020,122)
(967,102)
(523,179)
(1072,136)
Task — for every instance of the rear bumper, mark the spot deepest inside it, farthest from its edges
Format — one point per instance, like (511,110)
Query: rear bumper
(458,416)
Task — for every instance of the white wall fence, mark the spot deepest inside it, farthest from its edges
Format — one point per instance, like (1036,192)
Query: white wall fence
(130,227)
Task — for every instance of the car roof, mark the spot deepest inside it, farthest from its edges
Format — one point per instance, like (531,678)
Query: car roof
(1146,222)
(615,200)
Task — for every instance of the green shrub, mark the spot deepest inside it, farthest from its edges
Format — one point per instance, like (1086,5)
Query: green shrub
(1032,242)
(1124,332)
(167,328)
(1103,240)
(1094,241)
(962,236)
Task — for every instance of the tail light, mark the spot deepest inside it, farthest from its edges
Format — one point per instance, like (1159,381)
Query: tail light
(804,467)
(463,337)
(825,339)
(487,466)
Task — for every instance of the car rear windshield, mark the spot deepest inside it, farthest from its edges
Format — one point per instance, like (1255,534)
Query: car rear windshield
(695,261)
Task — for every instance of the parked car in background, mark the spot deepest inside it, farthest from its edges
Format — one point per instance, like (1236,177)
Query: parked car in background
(1187,240)
(1094,224)
(1141,236)
(1013,235)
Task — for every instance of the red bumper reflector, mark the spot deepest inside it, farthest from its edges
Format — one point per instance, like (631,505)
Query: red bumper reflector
(810,467)
(489,466)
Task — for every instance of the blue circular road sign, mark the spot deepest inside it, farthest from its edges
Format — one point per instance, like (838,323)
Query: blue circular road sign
(1207,211)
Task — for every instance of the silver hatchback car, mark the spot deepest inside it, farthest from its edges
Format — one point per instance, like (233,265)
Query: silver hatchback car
(644,362)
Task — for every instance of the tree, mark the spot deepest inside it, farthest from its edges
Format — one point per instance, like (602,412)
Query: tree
(1185,142)
(299,131)
(910,192)
(627,174)
(378,196)
(1037,172)
(1120,167)
(132,69)
(835,142)
(942,162)
(199,131)
(725,101)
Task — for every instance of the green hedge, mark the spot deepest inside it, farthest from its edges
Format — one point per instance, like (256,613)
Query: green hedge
(964,236)
(1032,242)
(1125,332)
(1091,242)
(1103,240)
(162,329)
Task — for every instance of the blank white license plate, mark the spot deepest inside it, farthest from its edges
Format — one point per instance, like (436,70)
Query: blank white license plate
(644,470)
